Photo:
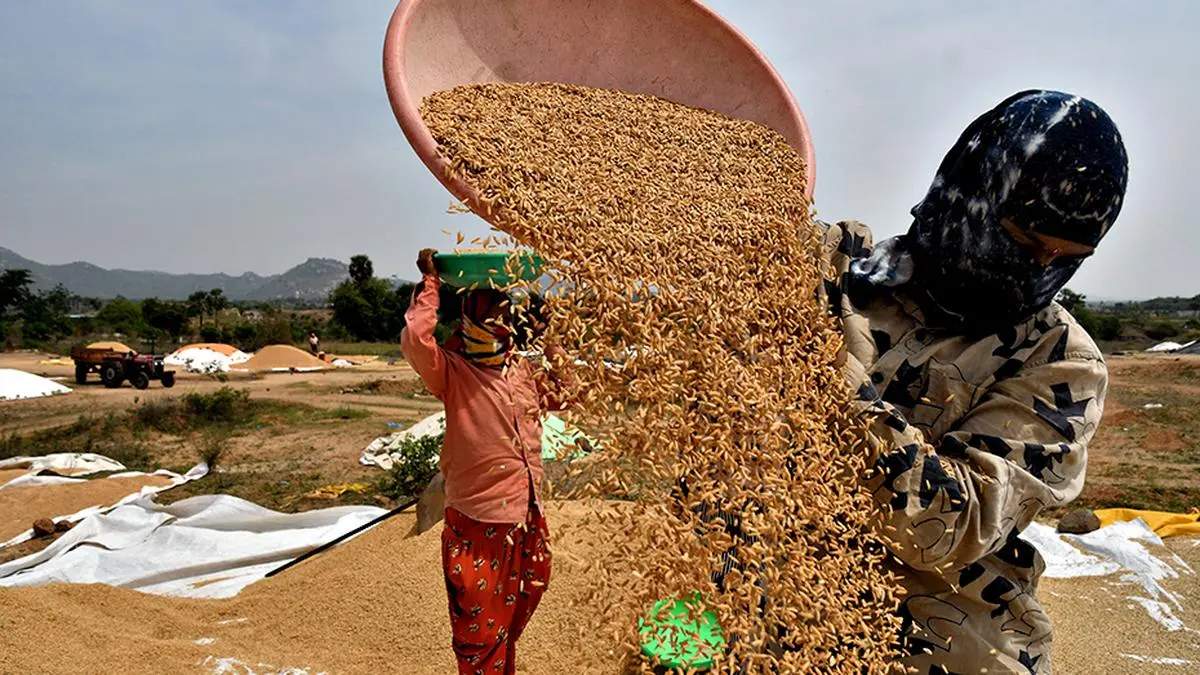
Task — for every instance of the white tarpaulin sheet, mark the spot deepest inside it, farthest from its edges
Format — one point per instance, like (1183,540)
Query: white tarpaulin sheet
(18,384)
(200,360)
(1165,347)
(63,463)
(383,452)
(210,546)
(196,472)
(379,452)
(1123,548)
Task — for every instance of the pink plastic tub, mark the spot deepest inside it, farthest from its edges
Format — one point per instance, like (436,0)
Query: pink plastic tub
(676,49)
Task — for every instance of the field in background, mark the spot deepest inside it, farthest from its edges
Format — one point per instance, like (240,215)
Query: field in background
(382,349)
(1147,451)
(305,430)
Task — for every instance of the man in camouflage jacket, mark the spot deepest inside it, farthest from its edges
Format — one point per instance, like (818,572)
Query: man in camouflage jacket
(980,391)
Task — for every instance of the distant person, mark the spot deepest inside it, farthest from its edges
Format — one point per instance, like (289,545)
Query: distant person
(495,556)
(314,343)
(981,392)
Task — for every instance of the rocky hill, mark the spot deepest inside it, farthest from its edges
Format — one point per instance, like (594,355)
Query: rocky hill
(310,281)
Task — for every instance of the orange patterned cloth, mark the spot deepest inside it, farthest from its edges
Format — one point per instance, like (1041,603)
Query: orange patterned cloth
(496,574)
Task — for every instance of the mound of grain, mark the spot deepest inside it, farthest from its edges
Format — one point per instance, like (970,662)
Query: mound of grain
(115,346)
(283,357)
(687,253)
(376,604)
(18,384)
(21,505)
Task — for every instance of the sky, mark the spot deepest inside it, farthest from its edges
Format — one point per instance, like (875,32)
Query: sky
(232,136)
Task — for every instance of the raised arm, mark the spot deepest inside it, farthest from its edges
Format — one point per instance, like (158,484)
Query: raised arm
(417,339)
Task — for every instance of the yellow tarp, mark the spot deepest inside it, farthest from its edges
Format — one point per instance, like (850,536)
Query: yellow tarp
(56,362)
(1164,524)
(336,491)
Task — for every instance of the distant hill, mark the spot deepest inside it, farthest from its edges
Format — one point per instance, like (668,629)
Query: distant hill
(311,281)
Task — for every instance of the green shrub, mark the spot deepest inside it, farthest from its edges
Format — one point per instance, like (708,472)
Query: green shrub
(1162,330)
(347,413)
(1108,328)
(163,415)
(134,454)
(12,445)
(414,469)
(224,406)
(212,447)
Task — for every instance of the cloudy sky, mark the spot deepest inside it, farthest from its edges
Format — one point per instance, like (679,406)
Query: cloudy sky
(225,136)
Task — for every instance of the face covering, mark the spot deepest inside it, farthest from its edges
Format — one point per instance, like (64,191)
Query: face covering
(1050,163)
(483,342)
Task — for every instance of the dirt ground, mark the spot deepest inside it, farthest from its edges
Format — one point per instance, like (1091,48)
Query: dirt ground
(272,464)
(1146,453)
(1142,457)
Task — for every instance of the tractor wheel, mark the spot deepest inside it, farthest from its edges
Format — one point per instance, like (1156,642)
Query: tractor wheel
(81,373)
(112,375)
(140,380)
(168,380)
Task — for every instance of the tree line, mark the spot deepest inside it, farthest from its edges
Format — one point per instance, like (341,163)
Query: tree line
(364,308)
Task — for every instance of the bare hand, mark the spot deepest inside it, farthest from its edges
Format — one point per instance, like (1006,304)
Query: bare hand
(425,262)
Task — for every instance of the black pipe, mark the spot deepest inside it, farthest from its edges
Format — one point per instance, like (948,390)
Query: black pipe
(328,545)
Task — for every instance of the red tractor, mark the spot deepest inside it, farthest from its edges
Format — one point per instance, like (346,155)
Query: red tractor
(115,367)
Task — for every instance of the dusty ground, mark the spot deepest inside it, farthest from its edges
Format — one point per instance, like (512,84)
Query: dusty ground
(1142,457)
(1148,457)
(1099,630)
(273,463)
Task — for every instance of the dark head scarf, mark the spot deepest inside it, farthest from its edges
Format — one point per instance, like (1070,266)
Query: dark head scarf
(1051,163)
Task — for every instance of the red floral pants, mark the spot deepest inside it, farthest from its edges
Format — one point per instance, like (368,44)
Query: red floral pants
(495,577)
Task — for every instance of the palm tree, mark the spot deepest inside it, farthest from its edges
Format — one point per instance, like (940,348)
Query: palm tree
(217,303)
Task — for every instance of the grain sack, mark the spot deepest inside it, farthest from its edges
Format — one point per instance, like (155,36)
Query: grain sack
(683,250)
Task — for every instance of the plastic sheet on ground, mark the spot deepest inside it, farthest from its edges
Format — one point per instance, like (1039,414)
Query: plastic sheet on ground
(383,452)
(1129,549)
(235,355)
(211,546)
(18,384)
(195,473)
(68,465)
(336,491)
(558,437)
(1165,347)
(1163,523)
(200,360)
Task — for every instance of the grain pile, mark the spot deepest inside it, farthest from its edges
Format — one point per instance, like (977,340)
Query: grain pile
(21,505)
(688,256)
(374,605)
(283,357)
(114,346)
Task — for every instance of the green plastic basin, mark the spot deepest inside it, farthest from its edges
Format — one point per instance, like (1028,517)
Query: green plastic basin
(671,640)
(485,269)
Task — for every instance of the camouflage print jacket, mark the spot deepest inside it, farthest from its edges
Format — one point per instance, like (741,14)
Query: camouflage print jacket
(972,438)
